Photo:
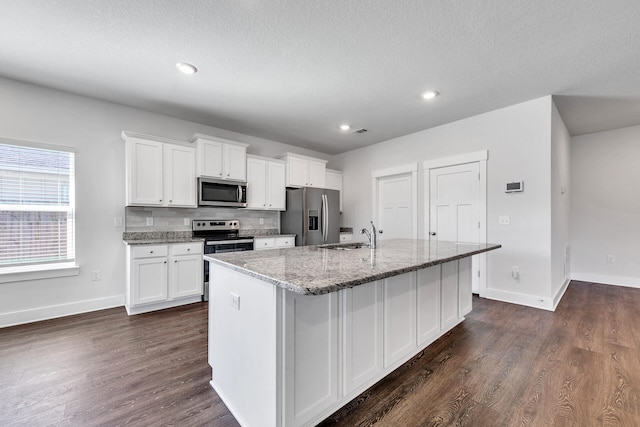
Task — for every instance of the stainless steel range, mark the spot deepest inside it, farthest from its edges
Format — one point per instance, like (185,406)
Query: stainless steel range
(219,236)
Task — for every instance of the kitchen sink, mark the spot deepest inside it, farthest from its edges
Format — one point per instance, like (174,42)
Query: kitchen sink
(345,246)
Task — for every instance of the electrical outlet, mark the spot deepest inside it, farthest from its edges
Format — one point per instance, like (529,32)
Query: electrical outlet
(504,220)
(235,301)
(187,221)
(611,259)
(117,221)
(149,221)
(96,275)
(515,272)
(261,221)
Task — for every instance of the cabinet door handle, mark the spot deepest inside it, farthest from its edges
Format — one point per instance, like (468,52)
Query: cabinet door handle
(165,262)
(150,252)
(175,261)
(188,249)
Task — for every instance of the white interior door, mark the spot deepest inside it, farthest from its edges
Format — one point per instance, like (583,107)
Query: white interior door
(454,204)
(395,207)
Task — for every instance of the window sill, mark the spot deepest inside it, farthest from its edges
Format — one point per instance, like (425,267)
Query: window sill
(48,271)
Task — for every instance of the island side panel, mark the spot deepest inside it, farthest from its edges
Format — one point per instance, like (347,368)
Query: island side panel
(311,356)
(449,295)
(465,286)
(362,332)
(428,302)
(242,345)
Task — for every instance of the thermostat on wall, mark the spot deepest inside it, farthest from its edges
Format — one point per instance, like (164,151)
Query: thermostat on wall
(514,187)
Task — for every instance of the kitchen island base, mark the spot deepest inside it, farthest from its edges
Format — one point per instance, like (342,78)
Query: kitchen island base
(280,358)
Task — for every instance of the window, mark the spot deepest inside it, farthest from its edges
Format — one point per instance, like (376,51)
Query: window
(37,202)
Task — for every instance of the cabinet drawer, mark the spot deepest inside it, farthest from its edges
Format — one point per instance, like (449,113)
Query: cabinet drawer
(264,243)
(149,251)
(186,249)
(285,242)
(346,237)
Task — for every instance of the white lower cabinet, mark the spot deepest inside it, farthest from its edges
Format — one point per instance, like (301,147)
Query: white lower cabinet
(149,270)
(449,295)
(318,352)
(310,356)
(362,332)
(399,317)
(162,276)
(278,242)
(465,294)
(346,237)
(428,304)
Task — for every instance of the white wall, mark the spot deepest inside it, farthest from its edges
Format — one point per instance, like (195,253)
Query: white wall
(93,127)
(605,207)
(560,204)
(519,142)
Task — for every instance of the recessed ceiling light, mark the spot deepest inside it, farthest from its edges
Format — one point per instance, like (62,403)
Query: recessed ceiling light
(345,127)
(430,94)
(186,68)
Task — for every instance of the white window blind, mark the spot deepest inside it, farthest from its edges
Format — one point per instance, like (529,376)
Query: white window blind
(37,202)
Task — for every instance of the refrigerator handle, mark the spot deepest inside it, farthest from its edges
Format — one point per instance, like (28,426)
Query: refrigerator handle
(322,217)
(325,217)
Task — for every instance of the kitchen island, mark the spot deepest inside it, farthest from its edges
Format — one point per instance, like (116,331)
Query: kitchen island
(294,334)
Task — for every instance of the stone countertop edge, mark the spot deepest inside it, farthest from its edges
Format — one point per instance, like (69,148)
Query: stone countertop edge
(349,283)
(140,242)
(270,236)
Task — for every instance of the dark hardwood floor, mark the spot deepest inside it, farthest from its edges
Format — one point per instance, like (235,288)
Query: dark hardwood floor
(505,365)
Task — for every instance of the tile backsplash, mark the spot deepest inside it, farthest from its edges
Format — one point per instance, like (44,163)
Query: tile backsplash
(173,219)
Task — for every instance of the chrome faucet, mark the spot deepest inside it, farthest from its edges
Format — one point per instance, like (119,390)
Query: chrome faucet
(371,235)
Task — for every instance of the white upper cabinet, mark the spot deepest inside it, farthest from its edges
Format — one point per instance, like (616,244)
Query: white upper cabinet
(265,183)
(159,171)
(334,182)
(303,171)
(180,175)
(221,158)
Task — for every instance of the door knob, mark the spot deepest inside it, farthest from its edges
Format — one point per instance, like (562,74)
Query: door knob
(432,233)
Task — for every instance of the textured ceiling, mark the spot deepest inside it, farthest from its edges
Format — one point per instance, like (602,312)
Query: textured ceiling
(293,71)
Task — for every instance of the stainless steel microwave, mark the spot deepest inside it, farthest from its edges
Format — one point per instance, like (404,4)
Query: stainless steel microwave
(215,192)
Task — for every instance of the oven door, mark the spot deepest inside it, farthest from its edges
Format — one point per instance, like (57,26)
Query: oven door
(212,192)
(219,247)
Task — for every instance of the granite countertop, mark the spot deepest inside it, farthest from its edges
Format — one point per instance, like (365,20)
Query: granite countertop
(314,270)
(275,235)
(158,237)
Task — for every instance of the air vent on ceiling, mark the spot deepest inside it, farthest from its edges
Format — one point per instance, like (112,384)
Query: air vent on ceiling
(361,130)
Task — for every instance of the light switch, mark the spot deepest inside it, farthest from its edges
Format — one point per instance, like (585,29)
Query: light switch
(149,221)
(117,221)
(504,220)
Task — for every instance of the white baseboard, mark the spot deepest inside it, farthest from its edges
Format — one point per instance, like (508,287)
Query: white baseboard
(520,299)
(560,293)
(629,282)
(61,310)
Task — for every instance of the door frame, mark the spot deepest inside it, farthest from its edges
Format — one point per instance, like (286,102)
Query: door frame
(378,174)
(479,157)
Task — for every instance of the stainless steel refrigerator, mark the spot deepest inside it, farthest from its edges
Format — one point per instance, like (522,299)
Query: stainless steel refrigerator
(313,215)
